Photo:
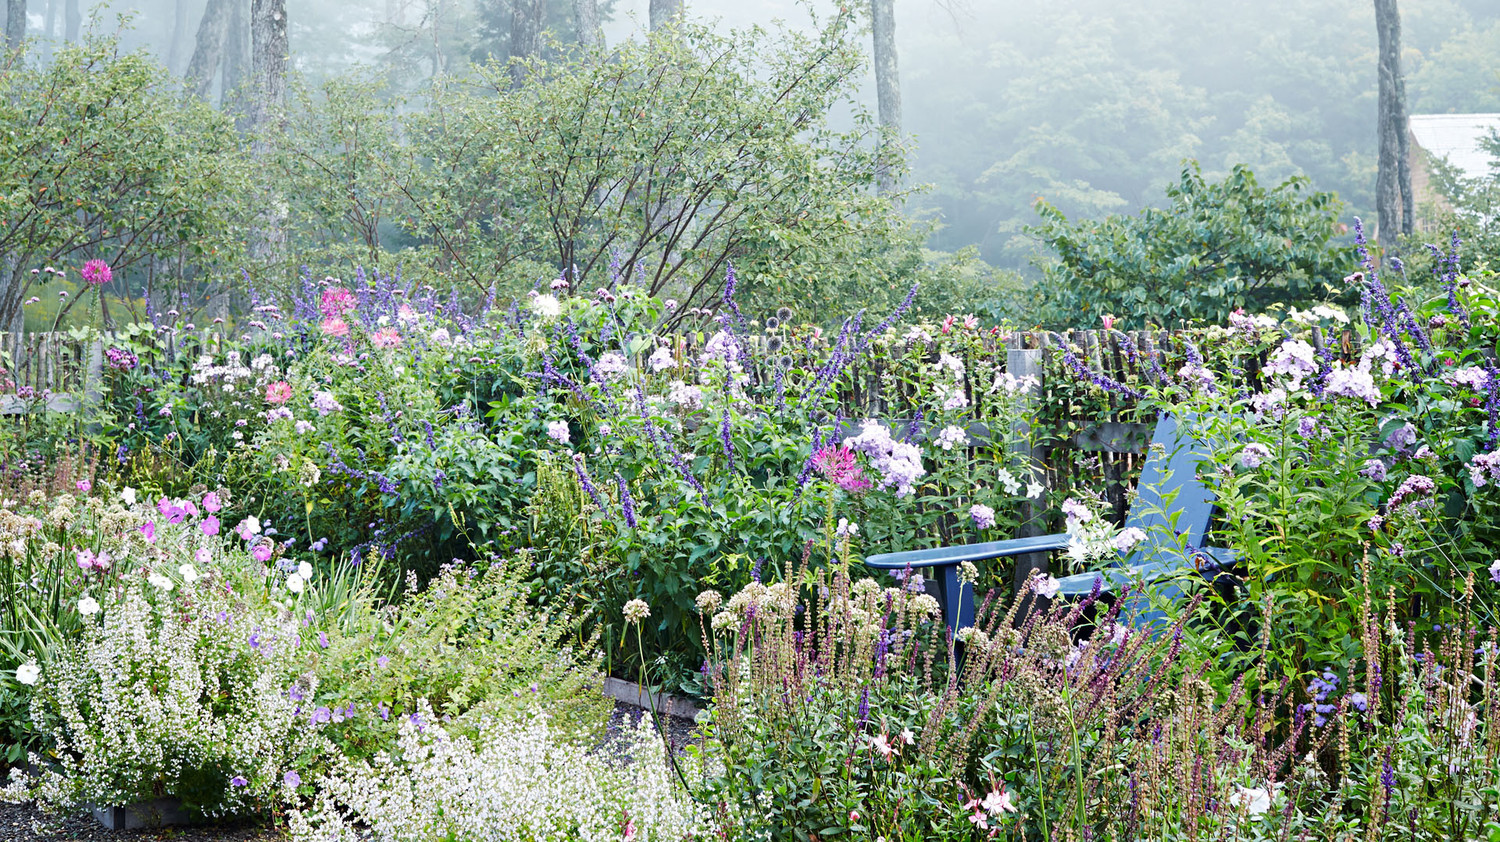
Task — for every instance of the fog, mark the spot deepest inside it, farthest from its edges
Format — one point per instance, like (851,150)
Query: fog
(1091,104)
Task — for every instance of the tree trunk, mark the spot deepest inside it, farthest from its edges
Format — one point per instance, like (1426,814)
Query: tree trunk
(664,12)
(212,32)
(526,18)
(234,90)
(50,28)
(72,21)
(15,23)
(179,32)
(586,16)
(887,79)
(1392,180)
(268,35)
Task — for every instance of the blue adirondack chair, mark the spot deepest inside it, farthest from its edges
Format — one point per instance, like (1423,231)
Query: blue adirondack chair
(1172,507)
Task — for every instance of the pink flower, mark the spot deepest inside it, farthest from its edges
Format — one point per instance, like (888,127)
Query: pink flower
(335,326)
(97,273)
(1108,322)
(948,323)
(87,560)
(211,502)
(149,530)
(336,302)
(387,337)
(203,555)
(279,392)
(839,466)
(85,486)
(261,553)
(210,526)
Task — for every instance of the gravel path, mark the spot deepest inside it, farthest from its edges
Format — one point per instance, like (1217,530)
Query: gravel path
(16,821)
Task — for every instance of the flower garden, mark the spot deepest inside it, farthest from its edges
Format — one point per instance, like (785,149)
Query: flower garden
(359,567)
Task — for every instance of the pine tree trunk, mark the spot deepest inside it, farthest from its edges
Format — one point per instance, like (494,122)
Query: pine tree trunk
(15,23)
(72,21)
(179,32)
(234,91)
(213,30)
(586,16)
(268,36)
(663,12)
(1392,185)
(887,77)
(526,19)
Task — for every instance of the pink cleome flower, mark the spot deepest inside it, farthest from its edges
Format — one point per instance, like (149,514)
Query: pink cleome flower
(336,302)
(278,393)
(335,326)
(838,466)
(97,273)
(387,337)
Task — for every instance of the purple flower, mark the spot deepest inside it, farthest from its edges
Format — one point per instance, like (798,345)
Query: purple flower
(1413,491)
(627,505)
(383,661)
(1373,469)
(1495,571)
(585,482)
(238,781)
(558,431)
(984,516)
(210,526)
(323,640)
(1254,455)
(148,529)
(292,779)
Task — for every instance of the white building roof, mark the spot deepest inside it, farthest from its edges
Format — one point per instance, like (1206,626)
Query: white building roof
(1457,137)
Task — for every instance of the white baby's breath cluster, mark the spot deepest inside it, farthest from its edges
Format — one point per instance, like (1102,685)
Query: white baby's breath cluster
(516,781)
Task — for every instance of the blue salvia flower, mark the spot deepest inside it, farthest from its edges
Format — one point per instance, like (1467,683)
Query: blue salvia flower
(864,708)
(1492,405)
(725,432)
(627,505)
(807,467)
(729,287)
(895,316)
(586,483)
(427,427)
(1102,381)
(779,384)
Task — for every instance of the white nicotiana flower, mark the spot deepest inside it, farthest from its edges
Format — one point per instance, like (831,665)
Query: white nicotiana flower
(28,673)
(1034,490)
(189,573)
(88,606)
(160,582)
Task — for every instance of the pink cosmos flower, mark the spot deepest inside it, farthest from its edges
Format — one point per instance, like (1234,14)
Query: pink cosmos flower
(97,273)
(210,526)
(335,326)
(387,337)
(85,486)
(278,393)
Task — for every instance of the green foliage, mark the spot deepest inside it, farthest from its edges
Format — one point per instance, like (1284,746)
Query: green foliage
(1218,247)
(103,156)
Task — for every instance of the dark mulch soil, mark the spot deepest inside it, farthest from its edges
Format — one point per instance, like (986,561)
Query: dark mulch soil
(16,821)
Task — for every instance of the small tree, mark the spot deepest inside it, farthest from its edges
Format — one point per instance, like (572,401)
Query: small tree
(1216,247)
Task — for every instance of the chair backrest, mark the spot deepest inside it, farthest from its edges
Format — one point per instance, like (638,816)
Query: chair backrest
(1172,466)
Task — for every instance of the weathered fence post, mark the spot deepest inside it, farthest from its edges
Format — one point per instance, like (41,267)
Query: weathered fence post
(1027,362)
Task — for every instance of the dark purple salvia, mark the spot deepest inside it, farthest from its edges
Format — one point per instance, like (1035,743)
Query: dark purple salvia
(730,282)
(807,467)
(1492,405)
(586,483)
(627,505)
(1102,381)
(864,708)
(895,316)
(726,436)
(427,427)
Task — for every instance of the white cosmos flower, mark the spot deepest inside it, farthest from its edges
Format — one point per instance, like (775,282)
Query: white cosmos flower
(294,583)
(28,673)
(88,606)
(1034,490)
(160,581)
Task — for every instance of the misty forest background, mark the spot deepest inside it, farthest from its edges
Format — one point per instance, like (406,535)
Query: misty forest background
(398,139)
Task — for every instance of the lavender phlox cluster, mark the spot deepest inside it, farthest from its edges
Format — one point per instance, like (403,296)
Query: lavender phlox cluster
(684,395)
(1469,376)
(1294,359)
(1373,469)
(899,463)
(1484,469)
(612,365)
(1254,454)
(952,436)
(983,516)
(1271,403)
(1414,492)
(1352,382)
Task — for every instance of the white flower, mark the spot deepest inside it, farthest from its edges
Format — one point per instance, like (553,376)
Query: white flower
(546,306)
(295,583)
(907,736)
(998,802)
(440,336)
(305,571)
(846,529)
(160,581)
(189,573)
(636,610)
(128,495)
(661,360)
(88,606)
(1008,481)
(558,431)
(951,436)
(28,673)
(612,364)
(1034,490)
(1252,800)
(1127,539)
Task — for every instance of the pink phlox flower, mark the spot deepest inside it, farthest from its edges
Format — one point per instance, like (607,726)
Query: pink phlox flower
(211,502)
(148,529)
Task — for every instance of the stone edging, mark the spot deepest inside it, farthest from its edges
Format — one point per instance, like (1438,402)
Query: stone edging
(665,703)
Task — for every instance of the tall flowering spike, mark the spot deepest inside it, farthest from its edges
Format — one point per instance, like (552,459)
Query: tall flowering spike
(627,504)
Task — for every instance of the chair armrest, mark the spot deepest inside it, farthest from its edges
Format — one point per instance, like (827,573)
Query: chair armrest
(951,556)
